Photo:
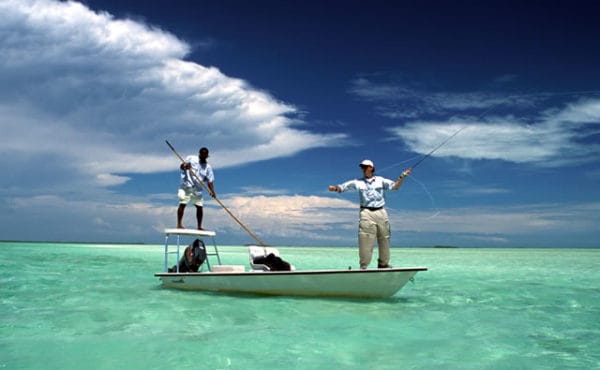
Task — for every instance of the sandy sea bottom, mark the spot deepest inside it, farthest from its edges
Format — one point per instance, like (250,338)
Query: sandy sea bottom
(70,306)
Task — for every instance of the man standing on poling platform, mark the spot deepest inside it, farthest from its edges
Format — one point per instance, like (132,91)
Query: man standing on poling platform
(190,190)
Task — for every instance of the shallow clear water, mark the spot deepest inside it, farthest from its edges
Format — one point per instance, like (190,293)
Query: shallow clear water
(70,306)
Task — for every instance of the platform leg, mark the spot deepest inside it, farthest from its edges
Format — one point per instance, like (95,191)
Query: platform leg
(177,263)
(167,253)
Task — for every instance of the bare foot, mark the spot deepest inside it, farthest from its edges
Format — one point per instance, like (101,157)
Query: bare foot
(180,227)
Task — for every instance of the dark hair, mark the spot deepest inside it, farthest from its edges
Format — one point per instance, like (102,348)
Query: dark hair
(203,149)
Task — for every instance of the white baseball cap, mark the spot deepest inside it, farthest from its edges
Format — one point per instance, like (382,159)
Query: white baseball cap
(366,162)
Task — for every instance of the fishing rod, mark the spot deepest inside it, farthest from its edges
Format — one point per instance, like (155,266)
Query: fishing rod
(437,147)
(260,242)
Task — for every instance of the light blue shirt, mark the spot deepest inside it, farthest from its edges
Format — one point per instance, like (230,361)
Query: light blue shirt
(371,191)
(203,170)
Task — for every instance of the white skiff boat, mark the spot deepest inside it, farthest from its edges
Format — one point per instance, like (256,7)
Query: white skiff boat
(258,279)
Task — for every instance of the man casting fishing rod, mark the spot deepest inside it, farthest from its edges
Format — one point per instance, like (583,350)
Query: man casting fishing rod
(374,222)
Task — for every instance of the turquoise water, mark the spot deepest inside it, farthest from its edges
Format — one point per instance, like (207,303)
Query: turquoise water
(70,306)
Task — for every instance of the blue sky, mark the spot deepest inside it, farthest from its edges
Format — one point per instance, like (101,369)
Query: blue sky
(290,96)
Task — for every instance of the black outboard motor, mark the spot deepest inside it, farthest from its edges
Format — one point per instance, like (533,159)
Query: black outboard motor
(193,257)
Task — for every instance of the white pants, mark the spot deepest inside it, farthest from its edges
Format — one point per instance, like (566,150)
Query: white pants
(373,225)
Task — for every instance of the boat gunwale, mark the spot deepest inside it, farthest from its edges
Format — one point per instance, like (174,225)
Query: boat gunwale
(296,272)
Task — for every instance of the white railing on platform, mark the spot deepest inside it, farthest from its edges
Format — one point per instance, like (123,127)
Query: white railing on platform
(189,232)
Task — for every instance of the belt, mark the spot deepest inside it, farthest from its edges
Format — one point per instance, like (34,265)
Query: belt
(372,208)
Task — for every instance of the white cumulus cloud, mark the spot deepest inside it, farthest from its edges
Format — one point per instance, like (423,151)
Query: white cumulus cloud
(541,129)
(556,140)
(93,97)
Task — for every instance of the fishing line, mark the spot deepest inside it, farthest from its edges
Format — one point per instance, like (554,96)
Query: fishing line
(399,163)
(422,158)
(413,178)
(431,199)
(437,211)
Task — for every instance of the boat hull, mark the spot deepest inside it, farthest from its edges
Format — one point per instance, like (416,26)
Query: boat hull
(373,283)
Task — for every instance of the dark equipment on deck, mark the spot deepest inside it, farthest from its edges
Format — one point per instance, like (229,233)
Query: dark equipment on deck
(193,257)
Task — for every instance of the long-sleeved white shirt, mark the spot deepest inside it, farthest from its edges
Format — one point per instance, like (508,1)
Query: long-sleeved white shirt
(371,191)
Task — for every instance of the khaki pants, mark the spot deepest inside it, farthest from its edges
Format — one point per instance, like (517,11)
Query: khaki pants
(373,225)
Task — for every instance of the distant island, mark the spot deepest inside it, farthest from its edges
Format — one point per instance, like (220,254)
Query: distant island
(444,246)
